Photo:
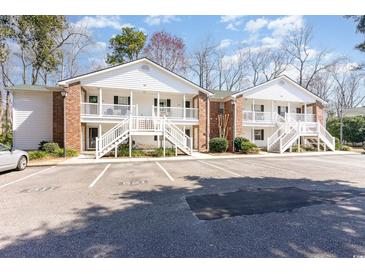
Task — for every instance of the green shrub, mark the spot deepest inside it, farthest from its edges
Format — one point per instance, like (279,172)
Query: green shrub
(158,152)
(218,145)
(337,144)
(249,148)
(37,154)
(69,152)
(346,148)
(237,143)
(50,147)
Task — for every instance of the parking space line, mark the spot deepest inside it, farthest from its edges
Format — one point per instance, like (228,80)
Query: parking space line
(221,168)
(165,171)
(26,177)
(99,176)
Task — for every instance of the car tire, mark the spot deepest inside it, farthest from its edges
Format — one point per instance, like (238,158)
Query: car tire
(22,163)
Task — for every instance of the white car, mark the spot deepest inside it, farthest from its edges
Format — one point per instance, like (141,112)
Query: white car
(12,158)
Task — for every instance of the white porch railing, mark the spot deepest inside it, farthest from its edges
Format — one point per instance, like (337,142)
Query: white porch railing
(260,117)
(176,112)
(110,110)
(300,117)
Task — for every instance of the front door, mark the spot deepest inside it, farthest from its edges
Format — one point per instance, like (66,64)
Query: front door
(93,133)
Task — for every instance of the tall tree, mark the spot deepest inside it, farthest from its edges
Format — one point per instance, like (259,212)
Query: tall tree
(202,63)
(167,50)
(306,61)
(360,27)
(39,39)
(126,46)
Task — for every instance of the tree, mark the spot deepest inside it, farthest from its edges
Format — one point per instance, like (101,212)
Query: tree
(167,50)
(306,61)
(360,27)
(348,92)
(39,39)
(202,63)
(126,46)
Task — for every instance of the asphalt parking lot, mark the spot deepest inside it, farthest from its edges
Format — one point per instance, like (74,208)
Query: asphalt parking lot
(249,207)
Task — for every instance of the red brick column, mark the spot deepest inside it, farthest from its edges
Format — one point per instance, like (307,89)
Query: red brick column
(73,120)
(58,118)
(203,130)
(318,112)
(239,116)
(214,112)
(229,109)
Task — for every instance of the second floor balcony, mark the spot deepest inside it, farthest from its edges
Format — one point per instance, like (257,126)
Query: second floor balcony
(118,111)
(260,117)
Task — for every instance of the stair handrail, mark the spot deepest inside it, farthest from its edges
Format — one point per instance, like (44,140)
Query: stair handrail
(112,134)
(178,135)
(323,132)
(276,135)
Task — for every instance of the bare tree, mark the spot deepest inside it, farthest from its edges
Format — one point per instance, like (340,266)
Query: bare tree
(275,62)
(322,85)
(202,63)
(306,61)
(348,91)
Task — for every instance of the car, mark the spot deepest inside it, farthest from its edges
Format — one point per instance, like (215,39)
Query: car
(11,158)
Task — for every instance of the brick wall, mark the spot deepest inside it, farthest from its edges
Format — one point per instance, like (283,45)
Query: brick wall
(214,111)
(239,116)
(203,131)
(229,109)
(318,111)
(73,122)
(58,118)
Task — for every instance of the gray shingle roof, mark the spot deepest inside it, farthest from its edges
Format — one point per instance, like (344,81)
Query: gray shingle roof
(33,88)
(354,111)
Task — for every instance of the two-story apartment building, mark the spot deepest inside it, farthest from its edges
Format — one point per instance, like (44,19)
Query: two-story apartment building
(146,105)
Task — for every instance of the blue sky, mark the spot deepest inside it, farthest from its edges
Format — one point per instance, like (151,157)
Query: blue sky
(331,32)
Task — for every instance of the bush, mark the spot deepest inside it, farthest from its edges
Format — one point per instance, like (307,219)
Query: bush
(123,151)
(337,144)
(237,143)
(249,148)
(346,148)
(37,154)
(69,152)
(50,147)
(218,145)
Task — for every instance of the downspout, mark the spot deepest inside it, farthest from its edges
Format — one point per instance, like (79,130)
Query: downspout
(208,122)
(234,122)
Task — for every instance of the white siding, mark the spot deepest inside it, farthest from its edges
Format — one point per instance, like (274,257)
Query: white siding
(133,77)
(280,90)
(33,119)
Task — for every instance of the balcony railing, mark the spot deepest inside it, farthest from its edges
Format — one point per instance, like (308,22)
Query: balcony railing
(260,117)
(273,117)
(177,112)
(300,117)
(109,110)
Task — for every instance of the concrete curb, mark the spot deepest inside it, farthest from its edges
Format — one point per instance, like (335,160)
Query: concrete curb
(77,161)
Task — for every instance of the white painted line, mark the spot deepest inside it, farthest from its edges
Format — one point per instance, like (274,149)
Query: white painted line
(28,176)
(99,176)
(221,168)
(165,171)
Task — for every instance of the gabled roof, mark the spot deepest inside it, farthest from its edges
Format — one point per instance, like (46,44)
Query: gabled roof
(252,90)
(34,88)
(221,94)
(144,59)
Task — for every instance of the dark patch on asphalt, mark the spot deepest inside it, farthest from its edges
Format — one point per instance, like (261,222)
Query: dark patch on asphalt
(39,189)
(134,182)
(262,200)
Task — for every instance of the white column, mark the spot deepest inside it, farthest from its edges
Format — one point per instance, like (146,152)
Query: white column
(253,109)
(131,103)
(318,144)
(184,106)
(100,102)
(253,135)
(305,112)
(158,104)
(272,110)
(99,131)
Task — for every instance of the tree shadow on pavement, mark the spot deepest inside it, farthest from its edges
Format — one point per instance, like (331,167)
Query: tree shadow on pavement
(160,223)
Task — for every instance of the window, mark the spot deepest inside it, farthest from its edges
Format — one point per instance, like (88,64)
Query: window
(282,110)
(163,102)
(299,110)
(221,108)
(187,131)
(259,135)
(122,100)
(187,104)
(93,99)
(258,108)
(155,138)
